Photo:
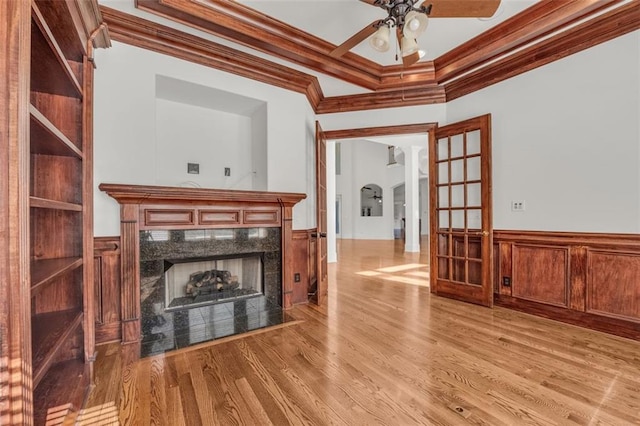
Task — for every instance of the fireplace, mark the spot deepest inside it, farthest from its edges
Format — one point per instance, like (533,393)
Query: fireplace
(203,255)
(183,269)
(198,282)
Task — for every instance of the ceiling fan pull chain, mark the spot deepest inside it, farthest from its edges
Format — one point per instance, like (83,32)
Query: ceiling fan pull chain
(397,48)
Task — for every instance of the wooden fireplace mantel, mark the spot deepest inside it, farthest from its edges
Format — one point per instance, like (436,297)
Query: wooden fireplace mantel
(146,194)
(162,207)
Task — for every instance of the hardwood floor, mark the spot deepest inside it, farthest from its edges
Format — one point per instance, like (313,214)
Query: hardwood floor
(383,351)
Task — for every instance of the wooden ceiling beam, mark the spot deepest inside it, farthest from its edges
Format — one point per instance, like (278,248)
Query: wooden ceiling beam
(388,99)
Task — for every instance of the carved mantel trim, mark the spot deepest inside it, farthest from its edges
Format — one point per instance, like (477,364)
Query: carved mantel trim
(143,206)
(147,194)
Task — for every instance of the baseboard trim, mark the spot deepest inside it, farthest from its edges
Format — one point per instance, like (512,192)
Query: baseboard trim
(627,329)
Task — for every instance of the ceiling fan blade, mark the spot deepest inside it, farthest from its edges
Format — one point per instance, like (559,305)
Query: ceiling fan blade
(371,2)
(354,40)
(410,59)
(462,8)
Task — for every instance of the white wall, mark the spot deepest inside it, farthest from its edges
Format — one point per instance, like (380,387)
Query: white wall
(566,138)
(259,150)
(566,141)
(125,139)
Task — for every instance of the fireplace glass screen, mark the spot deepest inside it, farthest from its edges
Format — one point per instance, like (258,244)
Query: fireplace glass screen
(206,281)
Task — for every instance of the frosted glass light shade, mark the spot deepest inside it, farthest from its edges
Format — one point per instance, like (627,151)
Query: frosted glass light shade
(415,23)
(408,46)
(380,39)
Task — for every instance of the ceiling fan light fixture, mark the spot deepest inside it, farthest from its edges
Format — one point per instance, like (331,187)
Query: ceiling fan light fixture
(380,39)
(408,46)
(415,23)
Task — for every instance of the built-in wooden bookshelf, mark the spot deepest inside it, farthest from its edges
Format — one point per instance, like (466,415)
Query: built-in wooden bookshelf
(50,328)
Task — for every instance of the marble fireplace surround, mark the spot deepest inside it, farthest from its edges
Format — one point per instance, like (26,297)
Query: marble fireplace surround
(147,208)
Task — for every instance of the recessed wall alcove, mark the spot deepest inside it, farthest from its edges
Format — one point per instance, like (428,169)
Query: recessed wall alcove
(214,128)
(238,242)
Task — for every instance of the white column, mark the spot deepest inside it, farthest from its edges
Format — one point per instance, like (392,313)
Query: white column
(332,255)
(412,195)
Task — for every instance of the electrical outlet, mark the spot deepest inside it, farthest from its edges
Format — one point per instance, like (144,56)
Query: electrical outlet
(506,281)
(227,171)
(518,206)
(296,277)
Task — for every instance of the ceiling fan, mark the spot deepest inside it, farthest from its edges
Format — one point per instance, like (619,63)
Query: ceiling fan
(410,21)
(375,195)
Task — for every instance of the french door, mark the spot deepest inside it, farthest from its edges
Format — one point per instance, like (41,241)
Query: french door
(461,220)
(321,216)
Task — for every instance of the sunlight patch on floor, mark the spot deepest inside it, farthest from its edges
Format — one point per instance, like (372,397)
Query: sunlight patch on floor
(369,273)
(105,414)
(399,268)
(407,274)
(407,280)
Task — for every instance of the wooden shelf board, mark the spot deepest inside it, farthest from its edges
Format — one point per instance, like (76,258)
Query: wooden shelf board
(44,271)
(47,139)
(61,390)
(45,203)
(46,56)
(49,333)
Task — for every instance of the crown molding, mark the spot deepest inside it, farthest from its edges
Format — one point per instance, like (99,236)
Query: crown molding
(146,34)
(390,99)
(150,35)
(369,132)
(530,26)
(243,25)
(608,26)
(548,31)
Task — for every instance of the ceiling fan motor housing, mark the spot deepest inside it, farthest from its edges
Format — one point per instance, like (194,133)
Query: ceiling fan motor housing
(398,9)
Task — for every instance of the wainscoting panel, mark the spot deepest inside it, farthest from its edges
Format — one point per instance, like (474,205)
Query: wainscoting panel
(613,285)
(300,248)
(540,274)
(590,280)
(107,289)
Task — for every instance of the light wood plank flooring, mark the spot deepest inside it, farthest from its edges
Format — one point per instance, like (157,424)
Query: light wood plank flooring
(382,352)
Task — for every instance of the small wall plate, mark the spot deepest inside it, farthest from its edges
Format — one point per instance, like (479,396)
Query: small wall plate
(193,168)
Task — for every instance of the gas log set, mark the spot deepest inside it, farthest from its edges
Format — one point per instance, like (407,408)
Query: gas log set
(207,282)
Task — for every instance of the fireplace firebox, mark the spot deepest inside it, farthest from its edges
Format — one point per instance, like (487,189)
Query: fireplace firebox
(198,282)
(184,269)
